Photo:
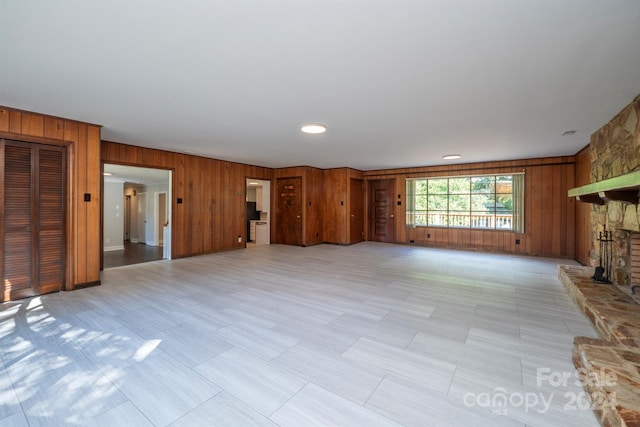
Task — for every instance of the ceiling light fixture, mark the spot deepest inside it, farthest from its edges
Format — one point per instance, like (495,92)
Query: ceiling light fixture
(451,156)
(313,128)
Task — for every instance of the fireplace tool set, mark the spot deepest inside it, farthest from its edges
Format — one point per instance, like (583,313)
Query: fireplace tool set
(603,271)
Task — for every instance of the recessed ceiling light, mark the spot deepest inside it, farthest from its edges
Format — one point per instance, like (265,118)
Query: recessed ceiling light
(254,183)
(569,132)
(107,173)
(451,156)
(313,128)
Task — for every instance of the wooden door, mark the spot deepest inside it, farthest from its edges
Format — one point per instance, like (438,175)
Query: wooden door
(381,211)
(142,218)
(33,219)
(289,211)
(356,205)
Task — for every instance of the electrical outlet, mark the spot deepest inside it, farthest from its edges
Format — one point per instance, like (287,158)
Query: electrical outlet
(239,239)
(517,241)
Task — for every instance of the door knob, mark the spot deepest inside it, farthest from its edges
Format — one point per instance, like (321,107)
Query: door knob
(28,228)
(298,216)
(392,216)
(352,215)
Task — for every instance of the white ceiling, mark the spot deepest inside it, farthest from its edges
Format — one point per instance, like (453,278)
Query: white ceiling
(398,82)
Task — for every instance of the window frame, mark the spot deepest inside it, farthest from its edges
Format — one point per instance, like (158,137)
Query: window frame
(492,217)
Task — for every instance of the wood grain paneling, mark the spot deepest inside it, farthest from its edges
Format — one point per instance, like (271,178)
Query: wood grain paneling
(336,208)
(312,202)
(583,238)
(213,211)
(82,142)
(549,213)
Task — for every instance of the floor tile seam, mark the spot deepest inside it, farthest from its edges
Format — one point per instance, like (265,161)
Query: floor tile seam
(23,410)
(285,402)
(106,376)
(202,404)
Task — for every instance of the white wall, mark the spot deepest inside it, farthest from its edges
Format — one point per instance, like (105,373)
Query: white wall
(130,189)
(113,216)
(151,227)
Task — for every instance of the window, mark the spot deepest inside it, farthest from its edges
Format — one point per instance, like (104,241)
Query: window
(492,202)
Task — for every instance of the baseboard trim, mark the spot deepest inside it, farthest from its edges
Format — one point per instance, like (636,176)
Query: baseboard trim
(86,285)
(114,248)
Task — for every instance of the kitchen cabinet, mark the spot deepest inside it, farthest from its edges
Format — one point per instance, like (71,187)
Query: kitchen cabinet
(262,197)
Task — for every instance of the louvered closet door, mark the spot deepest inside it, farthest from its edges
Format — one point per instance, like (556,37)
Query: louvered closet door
(50,213)
(33,220)
(18,222)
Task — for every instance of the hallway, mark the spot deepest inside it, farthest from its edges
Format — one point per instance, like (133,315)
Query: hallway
(133,253)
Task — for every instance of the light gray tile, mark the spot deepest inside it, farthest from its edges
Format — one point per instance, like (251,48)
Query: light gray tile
(224,410)
(190,346)
(413,405)
(379,357)
(118,348)
(315,406)
(379,309)
(163,389)
(318,334)
(484,360)
(15,420)
(74,393)
(329,371)
(146,321)
(122,415)
(257,383)
(386,333)
(264,342)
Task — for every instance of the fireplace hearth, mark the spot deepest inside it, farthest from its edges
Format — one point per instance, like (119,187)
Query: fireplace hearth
(616,317)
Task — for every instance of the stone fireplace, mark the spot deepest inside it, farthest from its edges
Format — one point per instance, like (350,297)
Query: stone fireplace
(614,198)
(615,152)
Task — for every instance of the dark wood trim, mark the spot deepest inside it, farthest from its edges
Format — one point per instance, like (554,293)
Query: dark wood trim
(34,139)
(45,116)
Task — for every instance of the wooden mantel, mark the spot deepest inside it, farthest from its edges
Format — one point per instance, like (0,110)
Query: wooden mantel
(622,188)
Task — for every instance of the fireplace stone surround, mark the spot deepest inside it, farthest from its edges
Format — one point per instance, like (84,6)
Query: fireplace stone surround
(612,308)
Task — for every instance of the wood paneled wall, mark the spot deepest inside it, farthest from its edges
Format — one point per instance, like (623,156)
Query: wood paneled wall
(549,212)
(336,204)
(213,211)
(584,237)
(83,159)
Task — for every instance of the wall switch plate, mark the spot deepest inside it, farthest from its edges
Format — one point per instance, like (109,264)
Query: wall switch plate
(87,197)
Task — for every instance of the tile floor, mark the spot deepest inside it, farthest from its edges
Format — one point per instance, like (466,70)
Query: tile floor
(366,335)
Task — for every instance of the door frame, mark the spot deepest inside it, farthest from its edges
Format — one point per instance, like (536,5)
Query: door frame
(363,196)
(156,215)
(170,191)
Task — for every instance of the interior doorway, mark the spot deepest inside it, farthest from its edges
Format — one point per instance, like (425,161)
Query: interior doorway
(258,212)
(136,215)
